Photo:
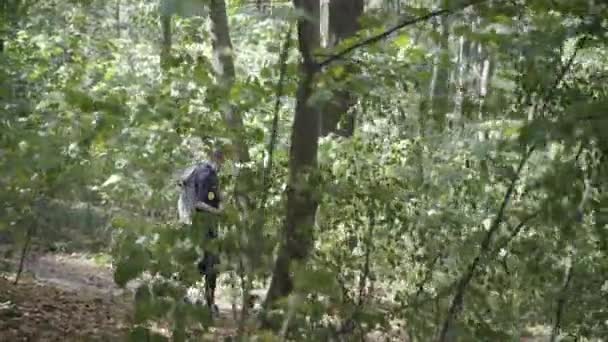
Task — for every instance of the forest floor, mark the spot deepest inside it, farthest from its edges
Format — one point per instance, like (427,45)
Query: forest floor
(72,297)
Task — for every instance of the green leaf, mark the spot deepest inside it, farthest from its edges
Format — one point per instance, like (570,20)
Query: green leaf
(140,333)
(402,41)
(131,266)
(321,281)
(143,304)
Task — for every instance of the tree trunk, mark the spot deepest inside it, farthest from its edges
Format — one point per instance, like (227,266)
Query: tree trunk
(262,5)
(10,12)
(117,17)
(4,26)
(342,23)
(224,69)
(440,84)
(297,239)
(461,89)
(165,53)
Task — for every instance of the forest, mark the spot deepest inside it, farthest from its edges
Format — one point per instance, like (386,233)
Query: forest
(394,170)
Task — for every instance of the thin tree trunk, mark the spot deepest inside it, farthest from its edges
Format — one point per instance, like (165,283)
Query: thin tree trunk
(224,69)
(24,251)
(117,16)
(297,235)
(487,71)
(3,27)
(10,12)
(440,84)
(342,23)
(561,304)
(165,54)
(223,64)
(461,90)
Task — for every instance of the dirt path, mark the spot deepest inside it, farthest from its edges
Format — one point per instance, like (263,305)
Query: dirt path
(62,298)
(70,297)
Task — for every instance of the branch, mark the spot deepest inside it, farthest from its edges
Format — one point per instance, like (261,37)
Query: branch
(401,25)
(275,119)
(271,145)
(580,43)
(517,229)
(458,299)
(457,302)
(563,71)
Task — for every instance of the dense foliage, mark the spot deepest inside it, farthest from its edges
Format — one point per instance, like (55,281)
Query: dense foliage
(469,202)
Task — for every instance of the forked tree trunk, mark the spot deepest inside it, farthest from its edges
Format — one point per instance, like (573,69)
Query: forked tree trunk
(297,238)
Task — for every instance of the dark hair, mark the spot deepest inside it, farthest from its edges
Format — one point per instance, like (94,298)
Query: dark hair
(218,153)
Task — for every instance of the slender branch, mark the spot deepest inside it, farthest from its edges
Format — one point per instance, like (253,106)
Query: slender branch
(458,299)
(517,230)
(563,71)
(275,119)
(406,22)
(24,252)
(273,138)
(580,43)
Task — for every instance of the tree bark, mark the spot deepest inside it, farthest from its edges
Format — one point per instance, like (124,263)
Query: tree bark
(297,236)
(224,69)
(117,17)
(165,53)
(263,5)
(440,83)
(342,23)
(461,89)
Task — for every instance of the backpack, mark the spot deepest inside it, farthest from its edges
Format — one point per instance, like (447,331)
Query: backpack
(206,185)
(199,183)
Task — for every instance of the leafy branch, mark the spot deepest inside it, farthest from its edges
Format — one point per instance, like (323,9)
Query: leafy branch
(457,301)
(517,229)
(406,22)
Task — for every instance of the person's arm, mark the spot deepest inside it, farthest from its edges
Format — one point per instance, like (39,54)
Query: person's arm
(206,207)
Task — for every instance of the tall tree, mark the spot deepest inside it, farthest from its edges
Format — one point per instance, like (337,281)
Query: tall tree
(342,23)
(224,69)
(440,80)
(165,24)
(297,239)
(223,64)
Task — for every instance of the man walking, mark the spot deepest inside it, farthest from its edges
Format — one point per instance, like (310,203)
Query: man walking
(199,204)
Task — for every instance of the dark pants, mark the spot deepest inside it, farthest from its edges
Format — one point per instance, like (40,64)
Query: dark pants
(208,264)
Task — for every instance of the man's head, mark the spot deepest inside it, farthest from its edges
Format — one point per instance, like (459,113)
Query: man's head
(218,157)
